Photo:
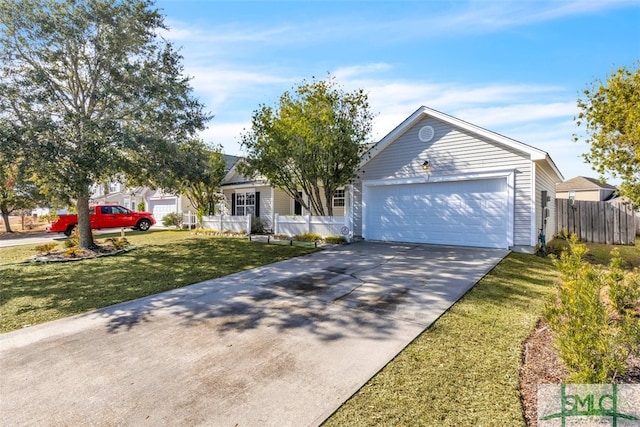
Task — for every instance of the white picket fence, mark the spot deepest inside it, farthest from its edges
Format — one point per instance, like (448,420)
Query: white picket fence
(291,225)
(228,223)
(189,220)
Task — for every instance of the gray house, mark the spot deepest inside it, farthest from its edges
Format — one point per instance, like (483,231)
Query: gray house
(440,180)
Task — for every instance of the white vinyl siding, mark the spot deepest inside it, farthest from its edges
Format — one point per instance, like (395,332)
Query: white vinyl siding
(546,182)
(453,151)
(281,203)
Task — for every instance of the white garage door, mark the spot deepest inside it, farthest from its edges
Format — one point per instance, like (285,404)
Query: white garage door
(464,213)
(160,208)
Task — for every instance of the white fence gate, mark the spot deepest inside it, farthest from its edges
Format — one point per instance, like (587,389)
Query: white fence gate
(235,223)
(292,225)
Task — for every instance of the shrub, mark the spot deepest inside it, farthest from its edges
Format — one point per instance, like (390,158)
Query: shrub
(118,242)
(218,233)
(257,225)
(73,240)
(73,252)
(592,341)
(564,234)
(172,219)
(140,207)
(339,240)
(307,237)
(46,247)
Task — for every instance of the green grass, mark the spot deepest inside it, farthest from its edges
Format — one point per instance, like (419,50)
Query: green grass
(600,253)
(164,260)
(464,369)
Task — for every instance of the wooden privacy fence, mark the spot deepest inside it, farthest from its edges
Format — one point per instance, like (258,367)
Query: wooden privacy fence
(598,222)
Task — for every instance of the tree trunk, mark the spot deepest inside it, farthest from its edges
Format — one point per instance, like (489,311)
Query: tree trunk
(328,195)
(5,217)
(84,224)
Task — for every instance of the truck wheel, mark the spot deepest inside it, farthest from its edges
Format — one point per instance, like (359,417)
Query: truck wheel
(69,230)
(143,225)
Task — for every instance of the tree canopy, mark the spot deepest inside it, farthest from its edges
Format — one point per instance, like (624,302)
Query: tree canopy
(204,171)
(310,142)
(610,113)
(18,189)
(98,91)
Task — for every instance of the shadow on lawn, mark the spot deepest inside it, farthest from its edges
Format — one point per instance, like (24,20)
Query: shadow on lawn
(73,288)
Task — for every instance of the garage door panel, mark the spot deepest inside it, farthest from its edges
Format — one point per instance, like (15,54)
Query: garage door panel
(470,213)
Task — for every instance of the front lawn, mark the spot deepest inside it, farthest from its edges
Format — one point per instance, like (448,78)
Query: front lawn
(599,253)
(464,369)
(164,260)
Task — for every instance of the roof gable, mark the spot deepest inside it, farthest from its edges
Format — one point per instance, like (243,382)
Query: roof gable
(422,112)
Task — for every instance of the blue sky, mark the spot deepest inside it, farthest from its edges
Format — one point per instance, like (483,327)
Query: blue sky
(513,67)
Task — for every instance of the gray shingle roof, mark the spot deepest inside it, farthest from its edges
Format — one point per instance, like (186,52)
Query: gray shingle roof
(583,183)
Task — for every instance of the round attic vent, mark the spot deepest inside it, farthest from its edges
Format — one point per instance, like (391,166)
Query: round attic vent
(426,134)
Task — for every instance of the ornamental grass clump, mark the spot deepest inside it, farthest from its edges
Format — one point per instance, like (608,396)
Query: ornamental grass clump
(594,315)
(307,237)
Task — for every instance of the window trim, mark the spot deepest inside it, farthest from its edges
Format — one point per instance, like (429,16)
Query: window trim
(244,196)
(342,199)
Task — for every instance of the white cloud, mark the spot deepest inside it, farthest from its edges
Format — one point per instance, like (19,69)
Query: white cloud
(228,33)
(345,73)
(488,116)
(226,134)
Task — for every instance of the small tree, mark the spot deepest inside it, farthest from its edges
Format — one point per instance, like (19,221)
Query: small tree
(594,336)
(18,190)
(203,172)
(311,141)
(610,112)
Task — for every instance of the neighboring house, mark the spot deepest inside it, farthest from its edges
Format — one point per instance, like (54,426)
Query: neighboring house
(157,201)
(438,179)
(161,204)
(119,194)
(255,196)
(583,188)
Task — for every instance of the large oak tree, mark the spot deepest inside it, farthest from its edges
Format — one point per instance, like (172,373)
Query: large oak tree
(310,142)
(100,92)
(610,113)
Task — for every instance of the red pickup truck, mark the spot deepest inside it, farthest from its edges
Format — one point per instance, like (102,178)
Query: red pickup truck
(105,216)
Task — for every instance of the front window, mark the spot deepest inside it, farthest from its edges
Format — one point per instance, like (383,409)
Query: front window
(245,204)
(113,187)
(338,199)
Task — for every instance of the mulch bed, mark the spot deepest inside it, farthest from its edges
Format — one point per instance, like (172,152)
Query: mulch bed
(541,365)
(79,254)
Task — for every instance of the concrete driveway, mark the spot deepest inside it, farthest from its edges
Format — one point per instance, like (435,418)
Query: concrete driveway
(281,345)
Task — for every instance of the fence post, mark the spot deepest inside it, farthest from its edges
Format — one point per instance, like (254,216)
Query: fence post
(276,220)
